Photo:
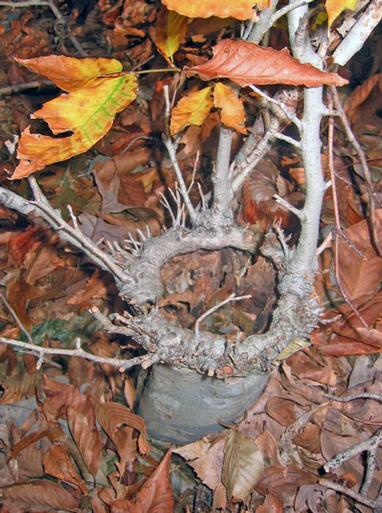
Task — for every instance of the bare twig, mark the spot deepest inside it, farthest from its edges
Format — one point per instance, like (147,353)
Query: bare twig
(222,191)
(40,351)
(296,211)
(182,185)
(289,115)
(213,309)
(16,318)
(338,222)
(17,88)
(347,491)
(357,36)
(364,166)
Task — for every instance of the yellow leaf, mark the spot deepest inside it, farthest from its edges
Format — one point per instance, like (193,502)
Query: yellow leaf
(239,9)
(191,110)
(70,73)
(88,112)
(335,7)
(170,31)
(232,109)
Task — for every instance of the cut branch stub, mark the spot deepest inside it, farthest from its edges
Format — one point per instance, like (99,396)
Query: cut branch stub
(247,63)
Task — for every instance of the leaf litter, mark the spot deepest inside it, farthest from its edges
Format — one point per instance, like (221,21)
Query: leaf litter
(68,441)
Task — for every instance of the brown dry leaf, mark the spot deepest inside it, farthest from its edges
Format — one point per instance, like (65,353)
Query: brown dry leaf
(40,494)
(360,275)
(89,291)
(247,63)
(242,467)
(206,458)
(282,410)
(82,424)
(232,108)
(129,391)
(271,505)
(284,481)
(361,94)
(112,416)
(192,109)
(155,496)
(239,9)
(57,463)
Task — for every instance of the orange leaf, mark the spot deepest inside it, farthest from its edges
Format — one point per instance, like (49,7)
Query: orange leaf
(40,494)
(192,109)
(232,108)
(239,9)
(169,32)
(155,496)
(88,112)
(70,73)
(57,463)
(247,63)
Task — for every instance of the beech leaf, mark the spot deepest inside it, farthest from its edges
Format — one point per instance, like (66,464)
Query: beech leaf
(82,425)
(41,494)
(248,63)
(192,109)
(239,9)
(88,112)
(169,32)
(112,416)
(232,108)
(335,7)
(155,496)
(70,73)
(57,463)
(243,465)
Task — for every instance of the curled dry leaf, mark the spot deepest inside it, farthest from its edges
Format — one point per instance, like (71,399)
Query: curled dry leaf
(112,416)
(232,108)
(239,9)
(57,463)
(248,63)
(40,494)
(88,112)
(169,32)
(192,109)
(155,496)
(243,465)
(82,425)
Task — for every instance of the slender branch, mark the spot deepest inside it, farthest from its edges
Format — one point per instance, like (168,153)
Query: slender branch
(42,208)
(371,444)
(364,166)
(273,101)
(296,211)
(347,491)
(338,229)
(222,191)
(183,188)
(40,351)
(256,31)
(17,88)
(287,9)
(229,299)
(26,3)
(357,36)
